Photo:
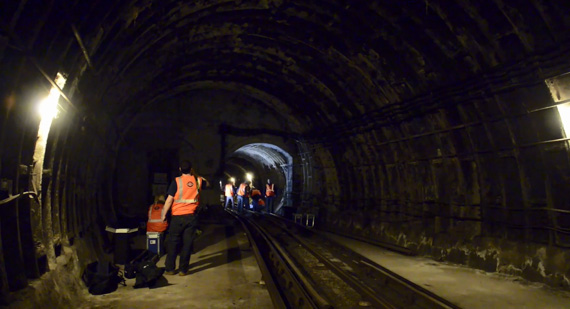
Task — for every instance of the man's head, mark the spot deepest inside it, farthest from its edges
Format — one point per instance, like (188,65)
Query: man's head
(185,167)
(269,181)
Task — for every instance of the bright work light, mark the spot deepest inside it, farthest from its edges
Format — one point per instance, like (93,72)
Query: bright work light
(48,106)
(564,111)
(249,176)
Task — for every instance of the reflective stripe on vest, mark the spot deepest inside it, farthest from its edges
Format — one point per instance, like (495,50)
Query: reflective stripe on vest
(180,192)
(155,224)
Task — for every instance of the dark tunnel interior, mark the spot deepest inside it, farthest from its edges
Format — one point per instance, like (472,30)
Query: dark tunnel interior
(435,125)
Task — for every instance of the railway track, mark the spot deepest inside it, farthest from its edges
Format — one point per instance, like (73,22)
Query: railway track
(304,269)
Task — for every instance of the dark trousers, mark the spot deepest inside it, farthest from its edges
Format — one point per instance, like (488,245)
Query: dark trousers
(181,229)
(230,202)
(240,205)
(269,203)
(255,203)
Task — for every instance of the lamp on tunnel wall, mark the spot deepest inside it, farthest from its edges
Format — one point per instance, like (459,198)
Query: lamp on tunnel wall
(48,110)
(564,111)
(559,87)
(249,177)
(48,106)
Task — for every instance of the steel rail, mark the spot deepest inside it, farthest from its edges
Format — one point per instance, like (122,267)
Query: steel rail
(370,295)
(272,287)
(291,289)
(303,281)
(391,282)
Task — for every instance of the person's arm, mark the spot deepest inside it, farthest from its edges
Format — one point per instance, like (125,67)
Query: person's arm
(206,181)
(166,207)
(171,192)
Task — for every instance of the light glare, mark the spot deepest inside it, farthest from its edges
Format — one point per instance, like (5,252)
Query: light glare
(564,111)
(249,176)
(48,106)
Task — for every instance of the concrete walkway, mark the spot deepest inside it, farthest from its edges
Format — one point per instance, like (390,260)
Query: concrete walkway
(223,274)
(465,287)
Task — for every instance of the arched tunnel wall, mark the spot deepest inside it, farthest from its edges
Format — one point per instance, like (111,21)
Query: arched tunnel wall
(478,180)
(427,124)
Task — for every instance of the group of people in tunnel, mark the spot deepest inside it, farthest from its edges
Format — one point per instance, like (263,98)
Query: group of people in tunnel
(182,200)
(249,196)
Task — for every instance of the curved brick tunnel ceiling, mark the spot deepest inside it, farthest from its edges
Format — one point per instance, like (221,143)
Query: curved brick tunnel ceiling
(425,123)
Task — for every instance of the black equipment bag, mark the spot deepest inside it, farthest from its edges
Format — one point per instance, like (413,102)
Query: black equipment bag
(130,270)
(101,277)
(145,270)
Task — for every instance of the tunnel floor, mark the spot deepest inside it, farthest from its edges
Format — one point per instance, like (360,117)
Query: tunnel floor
(223,274)
(463,286)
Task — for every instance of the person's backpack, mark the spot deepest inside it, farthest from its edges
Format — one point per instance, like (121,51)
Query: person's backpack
(101,277)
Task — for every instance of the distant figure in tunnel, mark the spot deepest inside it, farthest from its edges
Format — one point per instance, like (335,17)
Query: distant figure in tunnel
(243,195)
(229,192)
(255,197)
(183,194)
(269,195)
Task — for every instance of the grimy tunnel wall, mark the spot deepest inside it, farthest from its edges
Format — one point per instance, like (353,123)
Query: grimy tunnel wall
(427,124)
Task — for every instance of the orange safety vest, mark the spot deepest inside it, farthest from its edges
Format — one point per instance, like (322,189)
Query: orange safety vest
(229,190)
(241,191)
(187,195)
(255,192)
(261,202)
(155,223)
(269,191)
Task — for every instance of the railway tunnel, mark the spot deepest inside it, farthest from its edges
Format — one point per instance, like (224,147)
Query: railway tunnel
(437,126)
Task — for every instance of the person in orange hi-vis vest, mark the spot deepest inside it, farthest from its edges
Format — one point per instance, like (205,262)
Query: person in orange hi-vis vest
(243,196)
(155,222)
(255,197)
(183,195)
(269,195)
(229,192)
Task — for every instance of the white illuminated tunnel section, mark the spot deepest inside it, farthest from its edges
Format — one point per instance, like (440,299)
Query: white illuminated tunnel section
(559,87)
(272,157)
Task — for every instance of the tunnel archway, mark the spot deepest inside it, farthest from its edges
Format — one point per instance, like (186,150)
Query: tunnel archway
(266,161)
